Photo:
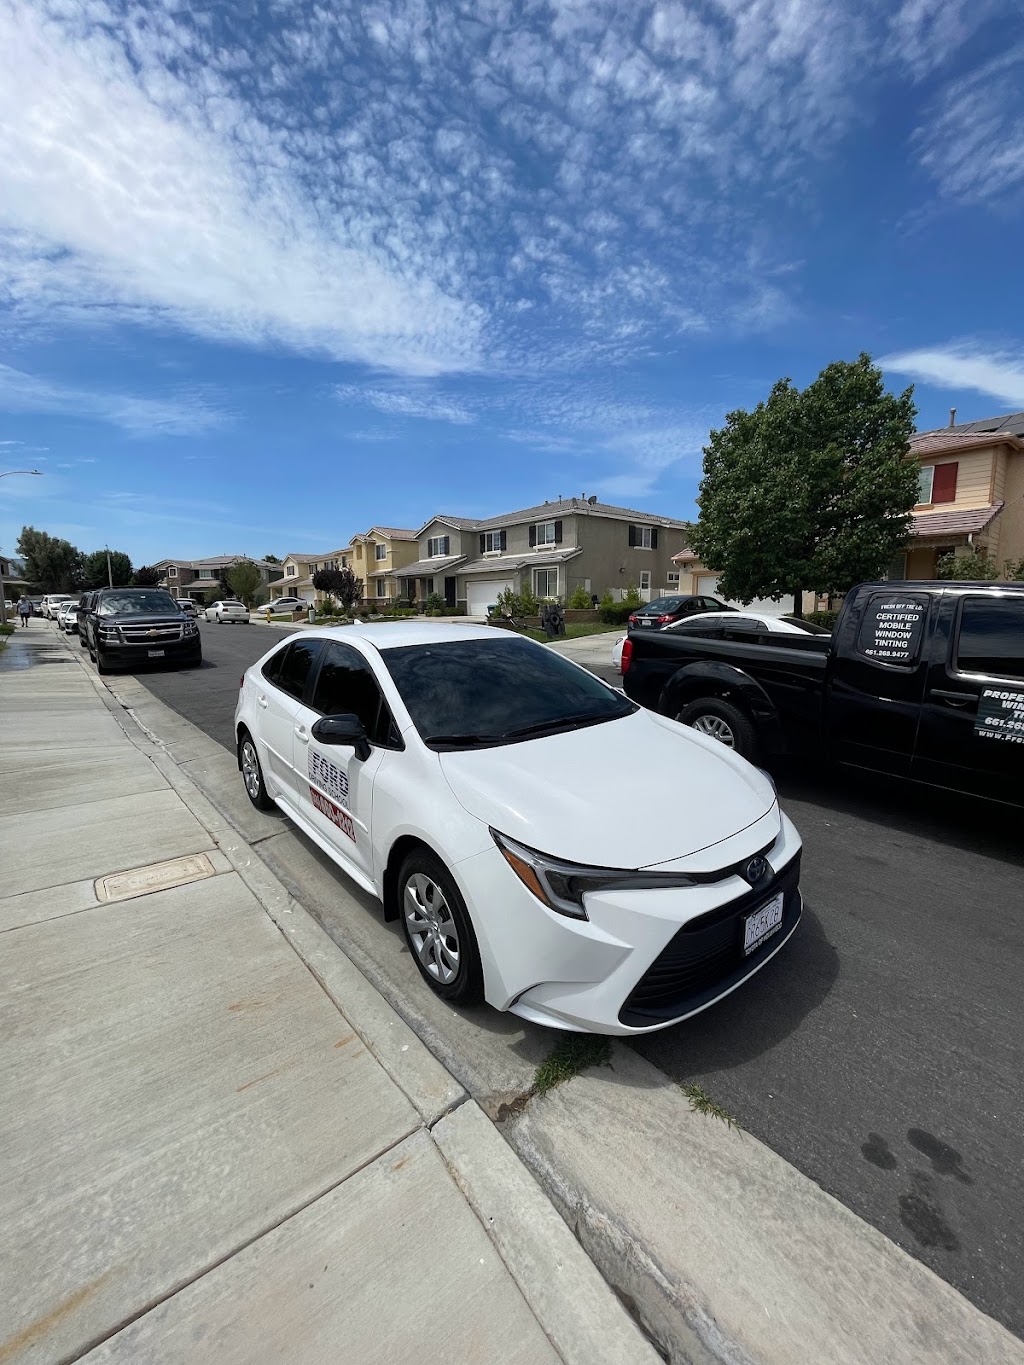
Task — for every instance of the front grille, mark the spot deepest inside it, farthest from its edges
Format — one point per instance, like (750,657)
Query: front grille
(150,635)
(706,956)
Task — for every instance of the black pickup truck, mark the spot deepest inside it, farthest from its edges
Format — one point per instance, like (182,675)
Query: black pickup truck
(919,679)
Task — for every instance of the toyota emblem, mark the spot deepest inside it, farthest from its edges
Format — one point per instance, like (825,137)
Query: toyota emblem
(755,870)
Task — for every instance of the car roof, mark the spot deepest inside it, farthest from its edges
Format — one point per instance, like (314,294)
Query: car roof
(385,635)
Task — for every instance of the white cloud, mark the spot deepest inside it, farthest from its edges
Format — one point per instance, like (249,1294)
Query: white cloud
(435,407)
(182,415)
(965,365)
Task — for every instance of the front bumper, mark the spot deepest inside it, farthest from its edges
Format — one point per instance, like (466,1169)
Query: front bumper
(187,650)
(644,960)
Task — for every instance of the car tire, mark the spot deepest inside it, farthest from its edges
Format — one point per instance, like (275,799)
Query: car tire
(101,664)
(252,773)
(723,721)
(434,918)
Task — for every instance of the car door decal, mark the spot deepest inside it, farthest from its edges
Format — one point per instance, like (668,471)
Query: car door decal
(334,782)
(1000,715)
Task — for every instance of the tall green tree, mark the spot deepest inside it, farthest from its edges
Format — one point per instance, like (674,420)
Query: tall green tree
(811,490)
(271,559)
(146,576)
(94,569)
(245,581)
(51,564)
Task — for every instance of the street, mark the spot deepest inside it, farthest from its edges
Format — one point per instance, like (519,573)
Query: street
(881,1052)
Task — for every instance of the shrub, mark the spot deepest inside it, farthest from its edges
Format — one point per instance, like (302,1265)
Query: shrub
(615,613)
(978,565)
(1013,569)
(580,599)
(827,619)
(327,607)
(632,598)
(435,605)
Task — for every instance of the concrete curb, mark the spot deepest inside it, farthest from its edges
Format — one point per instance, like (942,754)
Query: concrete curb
(579,1313)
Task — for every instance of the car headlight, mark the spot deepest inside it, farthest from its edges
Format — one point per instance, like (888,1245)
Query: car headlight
(190,627)
(561,886)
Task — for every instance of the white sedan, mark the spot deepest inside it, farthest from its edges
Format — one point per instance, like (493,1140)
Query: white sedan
(236,613)
(66,615)
(715,623)
(520,817)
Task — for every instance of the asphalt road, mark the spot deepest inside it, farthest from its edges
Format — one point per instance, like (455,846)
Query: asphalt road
(882,1052)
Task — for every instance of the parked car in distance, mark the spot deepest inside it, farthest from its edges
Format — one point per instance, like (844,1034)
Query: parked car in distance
(923,680)
(664,610)
(235,613)
(85,604)
(53,601)
(433,763)
(67,616)
(723,624)
(285,604)
(188,606)
(135,627)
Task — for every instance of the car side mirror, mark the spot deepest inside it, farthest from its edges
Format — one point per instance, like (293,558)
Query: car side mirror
(343,729)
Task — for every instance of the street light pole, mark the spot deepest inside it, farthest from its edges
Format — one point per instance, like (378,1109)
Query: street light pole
(3,592)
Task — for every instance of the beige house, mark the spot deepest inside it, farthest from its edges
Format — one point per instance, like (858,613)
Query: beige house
(971,495)
(377,556)
(200,579)
(298,570)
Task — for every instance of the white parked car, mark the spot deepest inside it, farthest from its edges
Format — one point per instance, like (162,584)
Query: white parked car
(237,613)
(66,615)
(718,624)
(518,815)
(285,604)
(53,602)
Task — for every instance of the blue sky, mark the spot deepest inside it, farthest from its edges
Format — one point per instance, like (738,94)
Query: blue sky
(273,272)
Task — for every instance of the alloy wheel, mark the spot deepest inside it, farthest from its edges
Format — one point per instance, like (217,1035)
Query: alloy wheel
(716,728)
(251,769)
(431,928)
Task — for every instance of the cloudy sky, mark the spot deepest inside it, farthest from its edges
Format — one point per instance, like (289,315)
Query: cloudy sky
(273,272)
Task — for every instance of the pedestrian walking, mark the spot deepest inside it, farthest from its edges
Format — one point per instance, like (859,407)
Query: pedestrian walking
(24,610)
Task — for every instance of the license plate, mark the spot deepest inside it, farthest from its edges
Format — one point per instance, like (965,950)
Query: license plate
(762,923)
(646,623)
(155,653)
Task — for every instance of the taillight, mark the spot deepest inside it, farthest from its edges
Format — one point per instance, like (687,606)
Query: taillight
(664,620)
(627,654)
(632,619)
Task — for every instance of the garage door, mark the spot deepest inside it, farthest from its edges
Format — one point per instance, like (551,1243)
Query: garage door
(482,592)
(767,606)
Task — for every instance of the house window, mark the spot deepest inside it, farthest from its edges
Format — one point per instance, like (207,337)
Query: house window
(206,573)
(290,571)
(898,568)
(172,571)
(380,551)
(545,582)
(643,537)
(672,579)
(359,552)
(437,546)
(492,542)
(544,533)
(925,478)
(344,561)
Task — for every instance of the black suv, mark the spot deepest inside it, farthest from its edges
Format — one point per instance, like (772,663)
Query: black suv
(134,626)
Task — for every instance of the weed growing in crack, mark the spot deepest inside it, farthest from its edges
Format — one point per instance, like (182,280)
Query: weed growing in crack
(702,1103)
(573,1053)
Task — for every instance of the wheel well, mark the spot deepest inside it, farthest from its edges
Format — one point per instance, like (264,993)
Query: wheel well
(399,851)
(675,699)
(242,730)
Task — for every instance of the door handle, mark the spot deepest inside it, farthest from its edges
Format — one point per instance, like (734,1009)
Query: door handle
(302,733)
(954,698)
(262,701)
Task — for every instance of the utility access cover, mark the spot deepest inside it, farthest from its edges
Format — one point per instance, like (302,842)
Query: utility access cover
(143,881)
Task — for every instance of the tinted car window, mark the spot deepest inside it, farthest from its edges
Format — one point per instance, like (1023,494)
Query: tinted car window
(137,602)
(296,666)
(272,667)
(706,630)
(992,637)
(346,683)
(743,627)
(488,690)
(661,605)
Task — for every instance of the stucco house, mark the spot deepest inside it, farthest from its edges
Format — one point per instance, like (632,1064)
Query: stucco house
(200,579)
(553,548)
(377,556)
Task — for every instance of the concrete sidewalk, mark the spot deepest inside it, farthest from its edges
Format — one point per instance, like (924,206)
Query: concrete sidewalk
(217,1141)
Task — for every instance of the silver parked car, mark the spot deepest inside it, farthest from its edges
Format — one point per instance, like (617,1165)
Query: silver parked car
(237,613)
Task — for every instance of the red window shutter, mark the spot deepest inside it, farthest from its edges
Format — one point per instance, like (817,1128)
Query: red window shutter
(944,483)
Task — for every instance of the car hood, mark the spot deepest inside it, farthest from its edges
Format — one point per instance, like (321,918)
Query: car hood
(628,793)
(136,618)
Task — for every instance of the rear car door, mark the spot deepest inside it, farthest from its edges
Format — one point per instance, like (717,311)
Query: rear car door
(336,787)
(972,722)
(279,694)
(880,663)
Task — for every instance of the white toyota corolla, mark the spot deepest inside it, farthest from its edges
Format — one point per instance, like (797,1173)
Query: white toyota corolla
(547,845)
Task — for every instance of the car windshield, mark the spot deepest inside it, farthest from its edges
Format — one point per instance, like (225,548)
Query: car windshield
(663,604)
(135,603)
(462,693)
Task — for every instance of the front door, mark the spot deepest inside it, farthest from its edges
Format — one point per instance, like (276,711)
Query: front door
(336,787)
(972,722)
(449,592)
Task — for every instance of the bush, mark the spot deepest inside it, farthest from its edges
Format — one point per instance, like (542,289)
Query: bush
(328,607)
(580,600)
(616,613)
(1013,569)
(435,605)
(827,619)
(978,565)
(632,598)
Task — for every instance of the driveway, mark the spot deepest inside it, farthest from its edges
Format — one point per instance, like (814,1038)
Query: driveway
(882,1052)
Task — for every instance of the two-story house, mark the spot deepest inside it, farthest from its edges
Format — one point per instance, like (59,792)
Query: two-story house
(971,494)
(380,554)
(297,572)
(201,579)
(552,548)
